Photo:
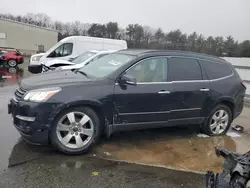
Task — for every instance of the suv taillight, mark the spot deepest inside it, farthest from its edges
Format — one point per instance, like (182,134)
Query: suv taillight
(244,84)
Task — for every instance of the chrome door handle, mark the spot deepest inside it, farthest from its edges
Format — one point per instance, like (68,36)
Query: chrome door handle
(164,92)
(204,89)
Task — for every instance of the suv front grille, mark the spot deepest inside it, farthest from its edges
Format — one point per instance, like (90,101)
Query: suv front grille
(19,93)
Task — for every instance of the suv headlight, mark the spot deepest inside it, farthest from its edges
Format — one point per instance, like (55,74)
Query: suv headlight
(41,95)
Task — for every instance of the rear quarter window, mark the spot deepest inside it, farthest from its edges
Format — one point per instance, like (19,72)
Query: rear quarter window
(216,70)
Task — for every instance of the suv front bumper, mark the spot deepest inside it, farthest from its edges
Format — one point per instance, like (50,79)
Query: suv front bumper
(32,120)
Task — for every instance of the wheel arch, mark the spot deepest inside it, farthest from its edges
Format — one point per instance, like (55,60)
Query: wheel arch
(12,59)
(210,105)
(94,105)
(226,101)
(229,102)
(62,109)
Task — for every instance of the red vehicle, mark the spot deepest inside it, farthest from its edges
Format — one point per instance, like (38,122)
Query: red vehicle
(11,56)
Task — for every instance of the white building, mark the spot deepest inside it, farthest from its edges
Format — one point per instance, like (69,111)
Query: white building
(28,39)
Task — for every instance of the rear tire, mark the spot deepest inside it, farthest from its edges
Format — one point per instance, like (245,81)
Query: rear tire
(75,130)
(12,63)
(218,121)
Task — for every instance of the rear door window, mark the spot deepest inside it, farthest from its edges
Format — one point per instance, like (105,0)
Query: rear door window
(184,69)
(216,70)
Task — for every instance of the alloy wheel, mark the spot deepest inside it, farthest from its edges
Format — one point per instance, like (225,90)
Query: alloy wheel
(12,63)
(219,122)
(75,130)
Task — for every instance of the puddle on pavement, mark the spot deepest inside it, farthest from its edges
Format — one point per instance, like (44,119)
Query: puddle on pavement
(162,147)
(13,75)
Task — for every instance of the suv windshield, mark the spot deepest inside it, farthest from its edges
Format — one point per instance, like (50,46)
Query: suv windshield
(83,57)
(106,65)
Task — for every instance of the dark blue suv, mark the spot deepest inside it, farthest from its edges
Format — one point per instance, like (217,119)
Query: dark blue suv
(127,90)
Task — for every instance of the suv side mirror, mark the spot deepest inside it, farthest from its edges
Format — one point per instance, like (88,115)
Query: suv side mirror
(128,79)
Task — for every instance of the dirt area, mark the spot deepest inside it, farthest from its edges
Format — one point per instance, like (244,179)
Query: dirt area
(179,148)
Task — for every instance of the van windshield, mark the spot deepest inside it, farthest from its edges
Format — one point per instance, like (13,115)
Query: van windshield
(106,65)
(83,57)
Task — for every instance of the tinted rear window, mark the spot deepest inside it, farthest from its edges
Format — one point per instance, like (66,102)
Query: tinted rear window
(216,70)
(182,69)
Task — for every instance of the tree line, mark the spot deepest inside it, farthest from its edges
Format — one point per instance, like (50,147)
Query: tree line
(138,36)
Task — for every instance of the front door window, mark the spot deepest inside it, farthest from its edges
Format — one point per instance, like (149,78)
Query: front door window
(150,70)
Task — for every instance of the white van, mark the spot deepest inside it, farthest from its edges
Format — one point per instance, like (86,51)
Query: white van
(70,47)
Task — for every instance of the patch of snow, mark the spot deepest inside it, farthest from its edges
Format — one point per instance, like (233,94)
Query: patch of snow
(233,134)
(202,135)
(107,153)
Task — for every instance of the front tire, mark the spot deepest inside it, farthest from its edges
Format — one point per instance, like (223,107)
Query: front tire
(218,121)
(12,63)
(75,130)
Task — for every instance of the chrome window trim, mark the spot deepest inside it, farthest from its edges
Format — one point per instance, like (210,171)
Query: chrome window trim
(143,83)
(222,78)
(172,82)
(181,81)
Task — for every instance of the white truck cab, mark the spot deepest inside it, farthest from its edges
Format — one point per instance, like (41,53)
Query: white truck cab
(70,47)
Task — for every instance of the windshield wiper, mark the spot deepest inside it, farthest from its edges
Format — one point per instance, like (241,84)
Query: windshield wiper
(76,71)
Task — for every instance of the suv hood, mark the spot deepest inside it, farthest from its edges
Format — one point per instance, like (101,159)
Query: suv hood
(51,62)
(51,79)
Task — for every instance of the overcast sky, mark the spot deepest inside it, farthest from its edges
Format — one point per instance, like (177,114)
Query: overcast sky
(209,17)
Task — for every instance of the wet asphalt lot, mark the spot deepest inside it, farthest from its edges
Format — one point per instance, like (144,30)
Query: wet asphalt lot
(24,165)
